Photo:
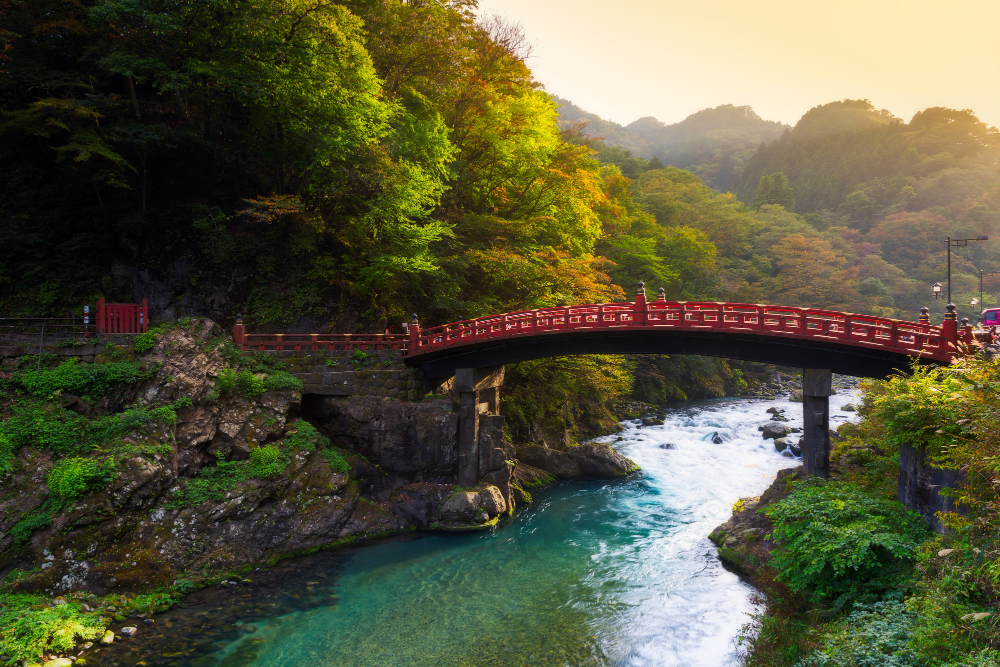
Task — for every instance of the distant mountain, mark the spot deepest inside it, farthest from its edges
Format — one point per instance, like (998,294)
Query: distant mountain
(714,143)
(610,133)
(863,163)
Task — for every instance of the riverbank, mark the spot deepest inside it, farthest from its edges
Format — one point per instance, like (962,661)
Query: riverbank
(849,575)
(592,572)
(179,462)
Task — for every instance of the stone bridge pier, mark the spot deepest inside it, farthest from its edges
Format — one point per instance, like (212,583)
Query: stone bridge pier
(816,390)
(478,391)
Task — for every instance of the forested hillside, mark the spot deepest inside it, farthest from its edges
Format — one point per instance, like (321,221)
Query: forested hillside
(715,144)
(338,166)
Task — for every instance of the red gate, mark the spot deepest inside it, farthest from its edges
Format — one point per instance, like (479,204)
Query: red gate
(122,318)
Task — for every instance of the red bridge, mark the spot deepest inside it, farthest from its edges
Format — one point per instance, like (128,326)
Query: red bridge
(472,352)
(851,344)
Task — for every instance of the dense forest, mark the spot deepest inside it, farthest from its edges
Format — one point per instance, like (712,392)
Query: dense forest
(337,166)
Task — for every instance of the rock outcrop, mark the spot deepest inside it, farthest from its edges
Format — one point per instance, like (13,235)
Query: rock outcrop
(743,540)
(592,459)
(180,506)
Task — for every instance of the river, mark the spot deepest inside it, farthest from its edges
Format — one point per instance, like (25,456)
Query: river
(598,573)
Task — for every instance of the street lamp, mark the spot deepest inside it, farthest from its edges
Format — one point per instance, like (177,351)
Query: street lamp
(957,243)
(981,274)
(936,288)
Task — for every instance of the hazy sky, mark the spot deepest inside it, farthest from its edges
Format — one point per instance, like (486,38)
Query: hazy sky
(625,59)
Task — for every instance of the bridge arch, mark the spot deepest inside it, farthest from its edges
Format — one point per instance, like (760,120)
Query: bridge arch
(473,352)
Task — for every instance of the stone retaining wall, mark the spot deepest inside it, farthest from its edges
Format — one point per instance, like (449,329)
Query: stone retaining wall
(326,373)
(344,374)
(100,350)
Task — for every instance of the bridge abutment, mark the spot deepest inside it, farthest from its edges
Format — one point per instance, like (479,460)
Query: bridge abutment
(816,390)
(478,392)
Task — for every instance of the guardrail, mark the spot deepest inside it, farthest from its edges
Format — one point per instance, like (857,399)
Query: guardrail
(918,339)
(911,338)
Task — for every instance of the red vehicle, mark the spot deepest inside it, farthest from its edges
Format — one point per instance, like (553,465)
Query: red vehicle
(990,317)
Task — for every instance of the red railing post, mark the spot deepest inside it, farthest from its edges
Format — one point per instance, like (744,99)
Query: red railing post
(639,308)
(949,327)
(414,336)
(239,333)
(144,317)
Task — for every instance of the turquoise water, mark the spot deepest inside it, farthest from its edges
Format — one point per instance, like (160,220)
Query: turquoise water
(616,573)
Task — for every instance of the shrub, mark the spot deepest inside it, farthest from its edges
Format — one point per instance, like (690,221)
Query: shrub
(282,380)
(164,414)
(359,357)
(873,635)
(836,539)
(268,461)
(73,477)
(211,483)
(90,380)
(336,460)
(244,383)
(145,342)
(112,427)
(29,627)
(7,450)
(37,425)
(929,410)
(306,437)
(22,531)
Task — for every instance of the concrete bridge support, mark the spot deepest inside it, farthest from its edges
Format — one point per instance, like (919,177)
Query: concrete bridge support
(479,393)
(816,390)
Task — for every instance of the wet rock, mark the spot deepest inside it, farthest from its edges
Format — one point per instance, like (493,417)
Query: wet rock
(850,407)
(460,507)
(58,662)
(129,631)
(492,501)
(774,411)
(773,430)
(418,441)
(652,421)
(553,461)
(108,638)
(780,444)
(717,439)
(598,459)
(417,504)
(667,445)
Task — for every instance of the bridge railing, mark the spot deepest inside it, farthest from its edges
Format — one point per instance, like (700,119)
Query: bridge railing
(919,339)
(912,338)
(317,342)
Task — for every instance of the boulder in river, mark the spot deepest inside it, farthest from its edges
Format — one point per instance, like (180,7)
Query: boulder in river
(492,501)
(780,444)
(774,430)
(795,449)
(850,407)
(460,506)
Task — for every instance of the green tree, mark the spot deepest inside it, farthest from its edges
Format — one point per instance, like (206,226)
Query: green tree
(774,189)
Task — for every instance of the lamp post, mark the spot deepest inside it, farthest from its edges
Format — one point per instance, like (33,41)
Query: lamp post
(958,243)
(981,274)
(936,289)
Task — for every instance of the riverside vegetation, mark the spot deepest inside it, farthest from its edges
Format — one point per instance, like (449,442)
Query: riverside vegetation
(850,576)
(179,461)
